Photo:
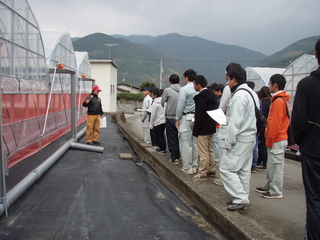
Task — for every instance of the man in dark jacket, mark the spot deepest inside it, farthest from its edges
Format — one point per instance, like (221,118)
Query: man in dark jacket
(305,123)
(204,127)
(94,113)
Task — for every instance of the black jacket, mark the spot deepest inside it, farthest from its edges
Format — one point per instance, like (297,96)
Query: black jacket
(94,106)
(204,125)
(305,119)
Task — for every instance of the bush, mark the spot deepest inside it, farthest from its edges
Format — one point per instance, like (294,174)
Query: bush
(130,96)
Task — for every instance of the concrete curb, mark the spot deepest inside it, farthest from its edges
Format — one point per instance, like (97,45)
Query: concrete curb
(200,195)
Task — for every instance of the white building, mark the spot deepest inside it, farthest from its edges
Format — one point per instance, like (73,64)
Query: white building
(105,73)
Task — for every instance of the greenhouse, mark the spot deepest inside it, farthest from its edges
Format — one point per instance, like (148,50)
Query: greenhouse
(300,68)
(260,76)
(36,74)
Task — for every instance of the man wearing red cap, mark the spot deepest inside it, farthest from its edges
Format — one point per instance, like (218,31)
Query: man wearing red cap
(94,113)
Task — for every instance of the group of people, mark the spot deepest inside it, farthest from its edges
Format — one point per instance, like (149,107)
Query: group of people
(202,144)
(180,114)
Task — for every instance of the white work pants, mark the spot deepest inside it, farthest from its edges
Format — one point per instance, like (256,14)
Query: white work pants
(235,170)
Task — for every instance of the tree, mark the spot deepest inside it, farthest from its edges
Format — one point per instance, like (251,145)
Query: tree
(147,84)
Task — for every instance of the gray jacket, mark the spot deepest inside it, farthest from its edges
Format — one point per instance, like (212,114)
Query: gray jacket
(170,96)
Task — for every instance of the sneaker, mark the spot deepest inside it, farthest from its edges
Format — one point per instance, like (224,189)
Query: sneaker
(200,178)
(230,202)
(189,172)
(212,174)
(96,143)
(89,143)
(261,168)
(175,162)
(194,169)
(271,196)
(253,170)
(218,182)
(238,206)
(155,147)
(162,152)
(261,190)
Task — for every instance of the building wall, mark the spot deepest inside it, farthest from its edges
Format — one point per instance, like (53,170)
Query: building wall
(105,74)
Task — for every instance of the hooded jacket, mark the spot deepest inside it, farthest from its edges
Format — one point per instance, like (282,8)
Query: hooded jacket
(278,119)
(170,96)
(157,113)
(204,125)
(305,120)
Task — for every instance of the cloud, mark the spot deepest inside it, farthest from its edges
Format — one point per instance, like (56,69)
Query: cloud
(265,26)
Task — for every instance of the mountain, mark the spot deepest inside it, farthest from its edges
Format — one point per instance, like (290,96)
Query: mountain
(284,57)
(138,56)
(137,63)
(208,58)
(141,39)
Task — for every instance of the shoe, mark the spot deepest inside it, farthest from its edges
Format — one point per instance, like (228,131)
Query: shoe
(269,195)
(212,174)
(238,206)
(155,147)
(175,162)
(230,202)
(89,143)
(96,143)
(218,182)
(162,152)
(189,172)
(261,168)
(261,190)
(200,178)
(253,170)
(194,169)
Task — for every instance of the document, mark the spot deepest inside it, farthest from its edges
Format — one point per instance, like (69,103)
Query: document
(218,115)
(103,122)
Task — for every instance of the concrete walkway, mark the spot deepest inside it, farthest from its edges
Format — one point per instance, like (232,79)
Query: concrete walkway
(264,219)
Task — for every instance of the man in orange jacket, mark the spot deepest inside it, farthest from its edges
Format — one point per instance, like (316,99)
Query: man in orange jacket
(276,134)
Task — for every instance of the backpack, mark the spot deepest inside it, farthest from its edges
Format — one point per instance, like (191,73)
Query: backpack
(261,121)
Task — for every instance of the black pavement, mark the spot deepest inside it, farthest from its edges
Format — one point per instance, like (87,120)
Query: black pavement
(264,219)
(89,195)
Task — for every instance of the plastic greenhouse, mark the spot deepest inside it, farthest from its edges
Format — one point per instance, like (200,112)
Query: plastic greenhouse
(260,76)
(297,70)
(35,82)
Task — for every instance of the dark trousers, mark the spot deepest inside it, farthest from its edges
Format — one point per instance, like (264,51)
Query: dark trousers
(262,151)
(311,180)
(172,138)
(159,136)
(153,139)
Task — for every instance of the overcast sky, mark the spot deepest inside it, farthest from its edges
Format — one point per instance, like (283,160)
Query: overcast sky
(266,26)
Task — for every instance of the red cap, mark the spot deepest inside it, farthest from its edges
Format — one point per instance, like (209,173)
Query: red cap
(96,88)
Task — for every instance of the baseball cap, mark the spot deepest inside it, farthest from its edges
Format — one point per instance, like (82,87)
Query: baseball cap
(96,87)
(146,88)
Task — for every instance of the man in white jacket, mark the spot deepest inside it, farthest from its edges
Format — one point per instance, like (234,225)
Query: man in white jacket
(240,137)
(144,116)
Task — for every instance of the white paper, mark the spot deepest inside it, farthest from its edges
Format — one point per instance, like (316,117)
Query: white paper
(141,110)
(218,115)
(143,124)
(103,122)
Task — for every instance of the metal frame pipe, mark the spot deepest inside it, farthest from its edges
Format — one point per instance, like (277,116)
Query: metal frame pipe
(17,191)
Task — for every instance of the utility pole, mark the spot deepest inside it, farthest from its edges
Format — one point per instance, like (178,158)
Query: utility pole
(161,71)
(109,46)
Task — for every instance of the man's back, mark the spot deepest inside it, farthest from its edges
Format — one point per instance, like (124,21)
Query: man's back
(170,96)
(306,115)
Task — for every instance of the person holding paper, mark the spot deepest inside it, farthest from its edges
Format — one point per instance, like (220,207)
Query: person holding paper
(240,138)
(204,127)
